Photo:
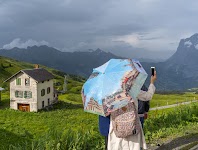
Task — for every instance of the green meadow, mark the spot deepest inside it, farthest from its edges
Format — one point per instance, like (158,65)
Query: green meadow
(66,121)
(67,127)
(169,99)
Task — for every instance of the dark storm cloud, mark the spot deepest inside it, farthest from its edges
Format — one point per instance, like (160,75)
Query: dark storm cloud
(83,24)
(50,20)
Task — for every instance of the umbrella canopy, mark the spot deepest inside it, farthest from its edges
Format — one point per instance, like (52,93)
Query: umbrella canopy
(112,85)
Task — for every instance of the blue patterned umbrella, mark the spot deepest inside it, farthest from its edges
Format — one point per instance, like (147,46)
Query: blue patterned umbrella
(112,85)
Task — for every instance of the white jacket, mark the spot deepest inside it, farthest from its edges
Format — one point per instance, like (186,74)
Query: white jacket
(133,142)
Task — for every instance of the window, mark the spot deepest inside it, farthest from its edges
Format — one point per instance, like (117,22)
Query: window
(18,81)
(43,104)
(27,94)
(48,101)
(19,94)
(48,90)
(27,81)
(42,92)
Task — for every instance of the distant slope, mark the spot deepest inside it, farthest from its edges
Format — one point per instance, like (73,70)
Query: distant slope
(79,63)
(8,67)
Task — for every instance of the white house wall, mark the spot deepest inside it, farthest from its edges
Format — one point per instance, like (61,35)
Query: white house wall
(45,98)
(14,101)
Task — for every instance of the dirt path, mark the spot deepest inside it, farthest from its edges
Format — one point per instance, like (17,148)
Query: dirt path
(174,105)
(176,144)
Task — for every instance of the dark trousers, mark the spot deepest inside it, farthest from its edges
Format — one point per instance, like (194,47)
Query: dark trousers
(142,121)
(106,142)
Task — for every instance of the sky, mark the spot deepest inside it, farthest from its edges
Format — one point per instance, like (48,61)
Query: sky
(136,26)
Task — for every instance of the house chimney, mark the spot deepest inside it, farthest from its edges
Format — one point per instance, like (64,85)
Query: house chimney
(36,66)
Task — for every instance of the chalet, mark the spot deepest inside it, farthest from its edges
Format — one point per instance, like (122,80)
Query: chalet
(31,90)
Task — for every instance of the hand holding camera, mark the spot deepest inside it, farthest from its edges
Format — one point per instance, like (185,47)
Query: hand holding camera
(153,75)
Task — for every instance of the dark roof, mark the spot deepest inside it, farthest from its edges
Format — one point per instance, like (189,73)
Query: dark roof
(39,74)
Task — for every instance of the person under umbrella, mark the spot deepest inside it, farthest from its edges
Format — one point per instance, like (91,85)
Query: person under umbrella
(137,141)
(104,122)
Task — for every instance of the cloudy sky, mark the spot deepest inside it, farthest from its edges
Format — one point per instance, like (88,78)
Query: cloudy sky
(112,25)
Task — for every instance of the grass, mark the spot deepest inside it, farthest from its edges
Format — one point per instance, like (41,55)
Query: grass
(34,126)
(175,122)
(162,100)
(71,97)
(67,127)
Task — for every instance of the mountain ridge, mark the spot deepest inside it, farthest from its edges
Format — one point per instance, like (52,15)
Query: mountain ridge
(78,63)
(179,72)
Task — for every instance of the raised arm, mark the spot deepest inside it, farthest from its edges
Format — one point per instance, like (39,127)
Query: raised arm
(147,95)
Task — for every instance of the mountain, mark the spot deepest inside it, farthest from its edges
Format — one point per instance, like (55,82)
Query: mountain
(187,52)
(143,54)
(179,72)
(181,67)
(79,63)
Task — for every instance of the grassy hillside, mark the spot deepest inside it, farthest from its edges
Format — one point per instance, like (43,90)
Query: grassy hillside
(19,128)
(8,67)
(169,99)
(67,127)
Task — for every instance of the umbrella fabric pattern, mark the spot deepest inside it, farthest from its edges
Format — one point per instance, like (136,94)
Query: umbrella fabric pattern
(112,85)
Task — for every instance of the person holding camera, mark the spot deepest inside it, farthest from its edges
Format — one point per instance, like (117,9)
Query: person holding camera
(135,141)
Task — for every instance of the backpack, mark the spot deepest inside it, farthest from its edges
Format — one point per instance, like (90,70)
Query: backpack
(125,121)
(143,106)
(147,106)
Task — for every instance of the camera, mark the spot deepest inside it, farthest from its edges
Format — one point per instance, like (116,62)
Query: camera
(152,71)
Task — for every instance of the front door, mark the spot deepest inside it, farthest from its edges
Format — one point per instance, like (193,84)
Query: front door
(24,107)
